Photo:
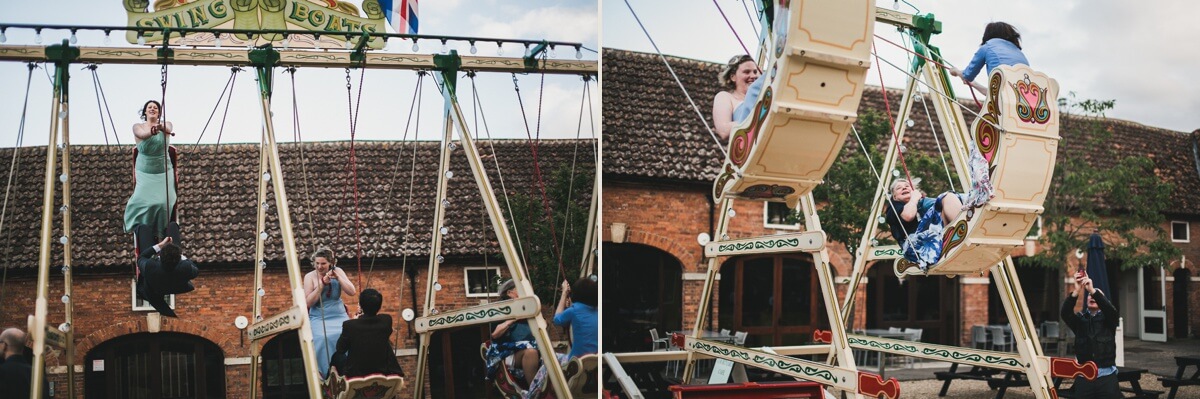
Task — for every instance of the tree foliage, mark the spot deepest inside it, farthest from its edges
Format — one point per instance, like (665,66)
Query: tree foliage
(1124,200)
(569,202)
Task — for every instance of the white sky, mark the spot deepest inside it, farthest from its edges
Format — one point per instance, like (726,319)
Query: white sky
(193,91)
(1142,54)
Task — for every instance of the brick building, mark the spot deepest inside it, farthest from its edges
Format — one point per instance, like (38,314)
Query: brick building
(120,345)
(659,165)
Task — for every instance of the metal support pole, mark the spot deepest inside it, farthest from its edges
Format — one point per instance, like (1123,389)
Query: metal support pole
(259,249)
(435,249)
(714,268)
(264,69)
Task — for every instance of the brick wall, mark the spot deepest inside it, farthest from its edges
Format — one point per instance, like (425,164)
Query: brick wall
(102,309)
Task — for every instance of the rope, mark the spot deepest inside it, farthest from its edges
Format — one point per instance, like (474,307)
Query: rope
(941,155)
(935,91)
(970,87)
(703,121)
(537,169)
(395,171)
(892,124)
(228,84)
(877,176)
(12,169)
(167,171)
(753,23)
(299,138)
(477,105)
(354,107)
(731,29)
(102,105)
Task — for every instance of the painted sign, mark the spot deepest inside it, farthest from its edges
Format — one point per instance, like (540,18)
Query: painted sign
(286,321)
(310,15)
(520,308)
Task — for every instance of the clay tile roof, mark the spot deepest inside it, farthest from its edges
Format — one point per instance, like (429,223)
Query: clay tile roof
(651,132)
(218,189)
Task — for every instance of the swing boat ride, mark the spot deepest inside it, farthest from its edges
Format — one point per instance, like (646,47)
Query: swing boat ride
(815,55)
(175,45)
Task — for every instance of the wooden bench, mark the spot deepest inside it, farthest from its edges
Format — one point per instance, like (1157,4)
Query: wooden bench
(976,373)
(1129,375)
(1179,380)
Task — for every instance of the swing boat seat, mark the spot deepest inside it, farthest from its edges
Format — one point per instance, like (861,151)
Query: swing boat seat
(1020,145)
(815,60)
(372,386)
(580,373)
(508,384)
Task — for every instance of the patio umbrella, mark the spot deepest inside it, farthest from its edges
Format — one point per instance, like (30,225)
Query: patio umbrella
(1096,269)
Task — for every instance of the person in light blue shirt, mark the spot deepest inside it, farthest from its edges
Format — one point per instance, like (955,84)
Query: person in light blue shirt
(581,315)
(1001,46)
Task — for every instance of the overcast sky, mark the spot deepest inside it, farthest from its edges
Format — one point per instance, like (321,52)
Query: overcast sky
(1142,54)
(193,91)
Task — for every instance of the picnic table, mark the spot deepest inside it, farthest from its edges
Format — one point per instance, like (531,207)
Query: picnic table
(1180,379)
(1129,375)
(978,373)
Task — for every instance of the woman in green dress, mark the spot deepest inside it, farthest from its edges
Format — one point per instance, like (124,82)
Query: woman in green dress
(154,190)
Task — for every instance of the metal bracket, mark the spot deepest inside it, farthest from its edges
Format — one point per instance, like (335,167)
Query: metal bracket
(448,65)
(264,59)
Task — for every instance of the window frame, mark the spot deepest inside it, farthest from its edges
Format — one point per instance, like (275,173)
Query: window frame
(467,281)
(767,217)
(1037,222)
(145,306)
(1187,231)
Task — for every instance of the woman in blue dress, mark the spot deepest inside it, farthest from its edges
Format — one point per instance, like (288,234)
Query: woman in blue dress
(154,187)
(323,290)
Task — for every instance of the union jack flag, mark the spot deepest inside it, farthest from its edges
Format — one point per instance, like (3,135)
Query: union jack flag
(401,15)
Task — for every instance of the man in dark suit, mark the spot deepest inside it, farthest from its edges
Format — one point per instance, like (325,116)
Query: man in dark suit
(365,341)
(16,370)
(169,274)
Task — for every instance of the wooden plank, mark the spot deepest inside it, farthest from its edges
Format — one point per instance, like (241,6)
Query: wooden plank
(520,308)
(975,357)
(290,319)
(809,241)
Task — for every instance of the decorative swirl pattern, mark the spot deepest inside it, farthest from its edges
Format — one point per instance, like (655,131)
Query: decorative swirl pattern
(461,317)
(722,180)
(764,361)
(987,136)
(768,244)
(743,139)
(954,236)
(887,252)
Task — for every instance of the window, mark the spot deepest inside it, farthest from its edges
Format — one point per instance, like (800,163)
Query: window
(140,305)
(776,215)
(1035,231)
(283,367)
(482,282)
(1180,232)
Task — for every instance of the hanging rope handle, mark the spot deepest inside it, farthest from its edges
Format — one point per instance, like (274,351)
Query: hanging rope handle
(354,106)
(892,126)
(537,169)
(168,172)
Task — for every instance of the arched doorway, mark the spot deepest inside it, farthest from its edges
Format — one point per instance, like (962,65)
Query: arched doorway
(775,299)
(154,366)
(283,367)
(642,290)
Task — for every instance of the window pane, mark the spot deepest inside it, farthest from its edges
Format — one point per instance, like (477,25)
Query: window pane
(1179,231)
(758,292)
(797,293)
(895,300)
(929,298)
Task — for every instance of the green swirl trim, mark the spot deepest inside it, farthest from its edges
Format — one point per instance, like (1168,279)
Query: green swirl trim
(766,244)
(461,317)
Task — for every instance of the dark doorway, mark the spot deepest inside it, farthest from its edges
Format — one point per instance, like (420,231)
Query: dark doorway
(642,290)
(1040,286)
(1180,302)
(456,369)
(283,367)
(775,299)
(928,303)
(162,365)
